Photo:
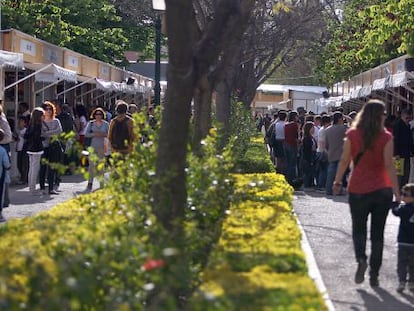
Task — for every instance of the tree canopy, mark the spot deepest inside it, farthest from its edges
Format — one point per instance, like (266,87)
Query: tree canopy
(370,33)
(96,28)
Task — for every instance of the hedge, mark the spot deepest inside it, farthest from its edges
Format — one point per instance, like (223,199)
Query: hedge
(258,263)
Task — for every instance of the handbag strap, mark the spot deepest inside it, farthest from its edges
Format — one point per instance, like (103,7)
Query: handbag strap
(358,157)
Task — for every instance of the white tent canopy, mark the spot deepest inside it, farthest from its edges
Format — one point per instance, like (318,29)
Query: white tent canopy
(53,74)
(11,59)
(279,88)
(386,83)
(111,86)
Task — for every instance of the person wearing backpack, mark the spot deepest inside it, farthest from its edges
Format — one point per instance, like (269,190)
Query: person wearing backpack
(121,130)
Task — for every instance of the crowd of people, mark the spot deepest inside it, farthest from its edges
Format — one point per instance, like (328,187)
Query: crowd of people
(43,147)
(356,154)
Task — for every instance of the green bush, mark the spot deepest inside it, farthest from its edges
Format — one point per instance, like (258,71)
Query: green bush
(85,254)
(256,159)
(102,251)
(258,263)
(105,250)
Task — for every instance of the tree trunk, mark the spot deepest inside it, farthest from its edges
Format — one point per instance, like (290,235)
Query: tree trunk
(202,112)
(170,187)
(248,97)
(188,62)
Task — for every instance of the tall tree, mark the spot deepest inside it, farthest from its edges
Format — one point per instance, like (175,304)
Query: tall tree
(189,60)
(356,43)
(90,27)
(276,34)
(138,25)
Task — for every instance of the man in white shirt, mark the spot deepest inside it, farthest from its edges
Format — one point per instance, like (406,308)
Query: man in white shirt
(278,150)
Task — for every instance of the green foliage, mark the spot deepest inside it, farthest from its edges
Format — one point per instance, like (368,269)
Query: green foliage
(209,188)
(390,26)
(241,127)
(85,26)
(258,263)
(106,250)
(362,40)
(256,159)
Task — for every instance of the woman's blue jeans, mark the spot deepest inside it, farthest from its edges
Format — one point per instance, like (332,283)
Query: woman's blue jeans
(330,176)
(376,204)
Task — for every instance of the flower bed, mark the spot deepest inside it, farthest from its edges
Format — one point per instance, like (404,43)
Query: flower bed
(258,263)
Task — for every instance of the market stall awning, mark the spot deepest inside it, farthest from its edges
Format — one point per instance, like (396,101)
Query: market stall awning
(119,87)
(11,59)
(52,73)
(401,79)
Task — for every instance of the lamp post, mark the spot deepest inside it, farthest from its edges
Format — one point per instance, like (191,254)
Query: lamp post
(158,6)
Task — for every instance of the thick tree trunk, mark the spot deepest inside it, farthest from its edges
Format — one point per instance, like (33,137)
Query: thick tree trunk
(188,62)
(170,187)
(202,112)
(248,97)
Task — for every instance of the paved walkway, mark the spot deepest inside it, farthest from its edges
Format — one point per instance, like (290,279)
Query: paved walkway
(327,224)
(23,204)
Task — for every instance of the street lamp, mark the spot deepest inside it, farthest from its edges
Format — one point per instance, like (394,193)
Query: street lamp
(158,6)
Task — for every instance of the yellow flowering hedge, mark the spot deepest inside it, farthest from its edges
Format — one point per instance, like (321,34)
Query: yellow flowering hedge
(258,263)
(84,252)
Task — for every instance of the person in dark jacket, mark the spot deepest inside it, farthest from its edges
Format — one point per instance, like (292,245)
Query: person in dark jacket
(34,147)
(309,146)
(403,145)
(405,239)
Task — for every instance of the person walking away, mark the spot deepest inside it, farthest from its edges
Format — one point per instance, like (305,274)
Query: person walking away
(267,120)
(97,130)
(81,120)
(405,265)
(5,143)
(22,157)
(23,110)
(67,123)
(270,137)
(259,122)
(334,140)
(322,154)
(121,130)
(372,183)
(52,147)
(4,175)
(291,147)
(308,156)
(278,148)
(403,145)
(34,146)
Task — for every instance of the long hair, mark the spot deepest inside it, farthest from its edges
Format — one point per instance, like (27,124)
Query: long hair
(36,117)
(307,129)
(369,121)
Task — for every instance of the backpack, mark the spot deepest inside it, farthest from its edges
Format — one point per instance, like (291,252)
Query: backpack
(271,135)
(66,122)
(120,134)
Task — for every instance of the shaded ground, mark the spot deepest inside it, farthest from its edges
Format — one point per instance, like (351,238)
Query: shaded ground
(23,204)
(327,224)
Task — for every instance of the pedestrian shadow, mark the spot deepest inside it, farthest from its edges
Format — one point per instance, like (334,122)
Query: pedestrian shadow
(385,301)
(313,194)
(24,198)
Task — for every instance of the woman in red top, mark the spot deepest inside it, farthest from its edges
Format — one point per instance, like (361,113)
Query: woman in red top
(371,186)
